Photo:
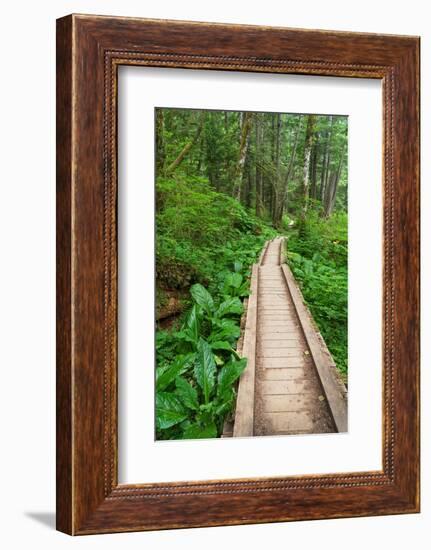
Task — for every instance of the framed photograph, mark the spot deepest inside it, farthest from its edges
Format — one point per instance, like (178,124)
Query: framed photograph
(237,274)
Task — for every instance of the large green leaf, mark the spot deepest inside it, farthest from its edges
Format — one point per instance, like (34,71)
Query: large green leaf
(169,410)
(200,432)
(229,306)
(205,368)
(192,324)
(202,297)
(187,393)
(221,344)
(237,266)
(233,280)
(167,375)
(228,375)
(225,329)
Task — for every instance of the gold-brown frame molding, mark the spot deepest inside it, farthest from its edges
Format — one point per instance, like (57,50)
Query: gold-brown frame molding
(89,51)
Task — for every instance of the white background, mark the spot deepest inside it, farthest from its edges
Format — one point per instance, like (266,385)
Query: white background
(141,458)
(27,233)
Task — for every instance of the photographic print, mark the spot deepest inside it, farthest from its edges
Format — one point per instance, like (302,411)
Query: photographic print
(251,273)
(204,191)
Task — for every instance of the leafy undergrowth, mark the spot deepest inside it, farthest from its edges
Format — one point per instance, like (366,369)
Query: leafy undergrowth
(317,255)
(206,244)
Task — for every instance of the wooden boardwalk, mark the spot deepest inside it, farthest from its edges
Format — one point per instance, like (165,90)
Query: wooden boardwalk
(290,385)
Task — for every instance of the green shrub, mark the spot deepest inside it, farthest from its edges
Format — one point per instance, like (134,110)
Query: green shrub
(317,254)
(197,367)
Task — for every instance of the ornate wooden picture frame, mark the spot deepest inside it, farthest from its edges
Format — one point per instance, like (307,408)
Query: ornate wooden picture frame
(89,51)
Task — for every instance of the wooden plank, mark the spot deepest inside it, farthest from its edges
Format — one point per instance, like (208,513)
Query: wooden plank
(287,421)
(281,314)
(332,387)
(276,307)
(277,387)
(281,352)
(272,301)
(283,362)
(294,343)
(286,312)
(285,374)
(286,403)
(293,334)
(244,413)
(280,325)
(267,320)
(228,424)
(275,340)
(271,291)
(262,254)
(279,333)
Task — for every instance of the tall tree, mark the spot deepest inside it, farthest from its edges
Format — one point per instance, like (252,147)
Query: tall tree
(331,188)
(243,146)
(174,165)
(276,182)
(309,137)
(160,142)
(313,169)
(259,172)
(284,183)
(326,159)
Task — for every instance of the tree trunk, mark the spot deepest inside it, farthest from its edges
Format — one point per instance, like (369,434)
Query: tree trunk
(259,159)
(313,172)
(309,137)
(245,135)
(282,203)
(249,185)
(174,165)
(325,163)
(276,183)
(160,142)
(332,186)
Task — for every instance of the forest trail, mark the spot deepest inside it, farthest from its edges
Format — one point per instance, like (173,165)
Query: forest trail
(290,385)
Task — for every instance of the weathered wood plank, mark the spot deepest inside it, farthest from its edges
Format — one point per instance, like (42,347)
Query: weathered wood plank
(282,394)
(280,325)
(285,374)
(286,421)
(276,344)
(283,362)
(279,387)
(323,361)
(281,333)
(281,352)
(287,403)
(244,414)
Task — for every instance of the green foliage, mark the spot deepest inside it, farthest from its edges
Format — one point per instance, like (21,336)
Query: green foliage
(205,369)
(317,254)
(170,410)
(206,242)
(197,363)
(197,368)
(201,235)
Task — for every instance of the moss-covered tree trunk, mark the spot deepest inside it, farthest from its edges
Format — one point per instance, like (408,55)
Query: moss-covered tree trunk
(309,138)
(243,146)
